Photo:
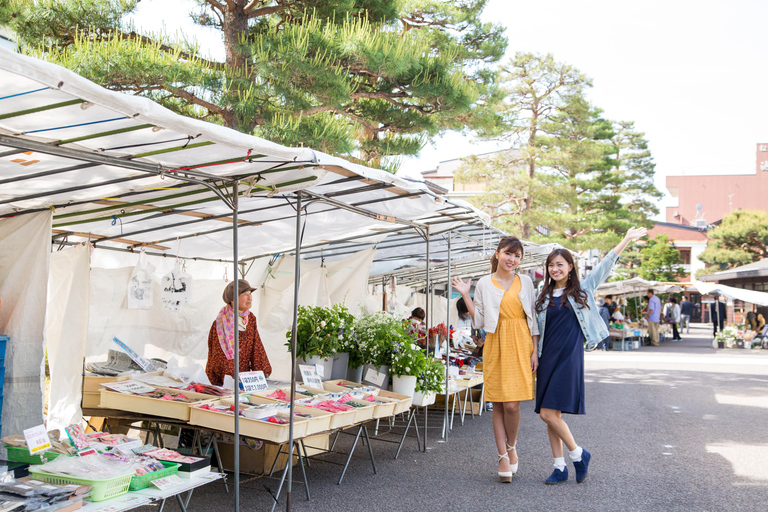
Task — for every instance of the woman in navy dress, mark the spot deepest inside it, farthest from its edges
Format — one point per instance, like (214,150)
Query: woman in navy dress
(568,316)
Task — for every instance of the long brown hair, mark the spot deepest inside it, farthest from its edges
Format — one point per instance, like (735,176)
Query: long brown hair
(510,244)
(572,286)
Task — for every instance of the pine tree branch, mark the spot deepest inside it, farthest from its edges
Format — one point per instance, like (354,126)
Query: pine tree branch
(181,93)
(218,66)
(255,13)
(216,5)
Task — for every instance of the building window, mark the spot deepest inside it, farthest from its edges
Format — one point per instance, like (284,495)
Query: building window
(685,255)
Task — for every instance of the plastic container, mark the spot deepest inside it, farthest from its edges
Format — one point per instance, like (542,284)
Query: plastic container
(16,454)
(101,489)
(143,481)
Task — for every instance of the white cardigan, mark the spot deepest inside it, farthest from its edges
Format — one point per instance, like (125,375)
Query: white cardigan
(488,304)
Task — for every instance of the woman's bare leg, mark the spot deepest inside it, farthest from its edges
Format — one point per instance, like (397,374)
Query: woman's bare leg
(557,428)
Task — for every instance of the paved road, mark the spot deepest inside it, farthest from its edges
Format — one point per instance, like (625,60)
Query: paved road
(680,427)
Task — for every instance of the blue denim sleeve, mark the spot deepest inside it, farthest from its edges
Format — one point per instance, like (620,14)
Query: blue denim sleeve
(600,273)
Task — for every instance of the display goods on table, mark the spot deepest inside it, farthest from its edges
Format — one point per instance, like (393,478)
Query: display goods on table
(402,402)
(340,418)
(317,419)
(337,402)
(162,401)
(268,424)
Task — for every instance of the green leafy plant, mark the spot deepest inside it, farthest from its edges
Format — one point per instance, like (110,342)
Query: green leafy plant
(432,377)
(407,357)
(376,334)
(320,331)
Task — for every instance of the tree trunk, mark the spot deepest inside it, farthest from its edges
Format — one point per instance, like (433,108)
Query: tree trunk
(235,27)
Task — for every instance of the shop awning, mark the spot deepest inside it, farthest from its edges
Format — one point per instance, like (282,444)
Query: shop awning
(635,287)
(751,296)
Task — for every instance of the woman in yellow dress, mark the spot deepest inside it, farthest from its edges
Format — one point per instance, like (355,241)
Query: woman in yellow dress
(503,305)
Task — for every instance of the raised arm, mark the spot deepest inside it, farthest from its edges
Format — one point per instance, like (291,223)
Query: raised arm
(463,288)
(632,234)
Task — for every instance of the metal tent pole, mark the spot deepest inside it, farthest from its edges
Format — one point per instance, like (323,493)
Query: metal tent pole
(235,304)
(296,282)
(448,339)
(428,319)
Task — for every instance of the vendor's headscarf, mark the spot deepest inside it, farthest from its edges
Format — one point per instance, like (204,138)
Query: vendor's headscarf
(225,328)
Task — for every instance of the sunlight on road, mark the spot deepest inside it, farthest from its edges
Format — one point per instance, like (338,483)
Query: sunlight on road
(750,401)
(748,460)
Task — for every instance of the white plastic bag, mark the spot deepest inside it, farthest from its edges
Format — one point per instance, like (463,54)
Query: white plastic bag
(176,289)
(140,285)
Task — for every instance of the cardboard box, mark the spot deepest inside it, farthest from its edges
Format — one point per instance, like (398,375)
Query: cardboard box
(477,405)
(91,399)
(259,462)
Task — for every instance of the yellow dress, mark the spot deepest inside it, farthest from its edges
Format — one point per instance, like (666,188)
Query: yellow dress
(507,352)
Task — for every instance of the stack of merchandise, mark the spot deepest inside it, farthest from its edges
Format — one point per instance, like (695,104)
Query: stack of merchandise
(189,467)
(29,495)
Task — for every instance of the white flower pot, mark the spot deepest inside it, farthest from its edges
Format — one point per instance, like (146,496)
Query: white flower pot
(380,369)
(404,384)
(423,399)
(326,363)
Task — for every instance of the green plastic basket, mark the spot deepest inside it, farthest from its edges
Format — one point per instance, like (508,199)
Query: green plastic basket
(101,489)
(17,454)
(143,481)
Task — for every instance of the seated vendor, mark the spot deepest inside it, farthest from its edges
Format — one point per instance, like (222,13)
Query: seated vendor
(221,338)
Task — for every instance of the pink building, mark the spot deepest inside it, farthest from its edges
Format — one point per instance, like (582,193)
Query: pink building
(704,200)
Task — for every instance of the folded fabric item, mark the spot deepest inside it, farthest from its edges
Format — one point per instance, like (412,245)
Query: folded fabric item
(117,362)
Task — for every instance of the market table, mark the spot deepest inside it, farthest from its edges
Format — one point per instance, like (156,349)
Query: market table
(135,499)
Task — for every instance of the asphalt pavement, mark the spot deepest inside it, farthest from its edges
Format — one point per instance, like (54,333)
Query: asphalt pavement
(680,427)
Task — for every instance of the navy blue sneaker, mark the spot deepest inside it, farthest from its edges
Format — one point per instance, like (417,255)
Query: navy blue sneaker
(582,466)
(557,476)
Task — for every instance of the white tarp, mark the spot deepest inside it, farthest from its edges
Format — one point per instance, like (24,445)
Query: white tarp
(635,287)
(66,329)
(751,296)
(25,243)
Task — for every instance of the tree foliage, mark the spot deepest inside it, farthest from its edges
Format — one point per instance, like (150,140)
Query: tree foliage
(741,238)
(366,77)
(660,260)
(571,176)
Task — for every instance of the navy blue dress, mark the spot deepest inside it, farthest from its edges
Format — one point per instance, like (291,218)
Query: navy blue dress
(560,377)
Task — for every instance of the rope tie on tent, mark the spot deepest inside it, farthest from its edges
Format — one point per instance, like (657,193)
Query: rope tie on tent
(114,222)
(188,139)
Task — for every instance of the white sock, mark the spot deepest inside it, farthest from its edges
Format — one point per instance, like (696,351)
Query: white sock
(560,463)
(576,454)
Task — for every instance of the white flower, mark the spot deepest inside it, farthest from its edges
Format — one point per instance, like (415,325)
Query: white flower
(407,369)
(322,323)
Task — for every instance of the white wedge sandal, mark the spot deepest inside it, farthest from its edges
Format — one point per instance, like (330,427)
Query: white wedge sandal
(513,467)
(505,477)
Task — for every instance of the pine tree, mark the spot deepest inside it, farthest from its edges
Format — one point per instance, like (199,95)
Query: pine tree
(368,77)
(741,238)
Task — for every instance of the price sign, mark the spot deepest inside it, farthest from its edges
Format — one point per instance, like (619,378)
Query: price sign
(310,377)
(129,387)
(320,369)
(375,377)
(37,439)
(168,482)
(253,381)
(144,363)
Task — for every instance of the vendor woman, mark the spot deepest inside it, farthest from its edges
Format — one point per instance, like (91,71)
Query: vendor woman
(221,338)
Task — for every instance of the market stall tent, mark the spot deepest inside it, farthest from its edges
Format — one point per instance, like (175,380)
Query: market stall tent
(81,164)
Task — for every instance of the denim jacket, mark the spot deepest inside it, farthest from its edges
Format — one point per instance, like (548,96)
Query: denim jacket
(592,325)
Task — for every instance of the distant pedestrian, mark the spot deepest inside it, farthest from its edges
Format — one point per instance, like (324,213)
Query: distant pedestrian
(686,311)
(605,314)
(718,313)
(672,316)
(654,317)
(567,317)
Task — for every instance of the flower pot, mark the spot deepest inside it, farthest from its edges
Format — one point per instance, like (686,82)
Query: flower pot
(423,399)
(325,362)
(404,384)
(720,344)
(340,362)
(355,374)
(380,369)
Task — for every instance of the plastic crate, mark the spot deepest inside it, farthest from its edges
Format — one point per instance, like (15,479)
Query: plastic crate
(100,489)
(3,341)
(143,481)
(16,454)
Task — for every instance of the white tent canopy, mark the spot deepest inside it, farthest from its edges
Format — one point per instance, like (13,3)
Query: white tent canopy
(751,296)
(635,287)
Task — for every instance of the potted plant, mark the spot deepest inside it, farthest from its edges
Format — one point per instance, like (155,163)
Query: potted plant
(375,335)
(408,362)
(727,337)
(317,337)
(429,382)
